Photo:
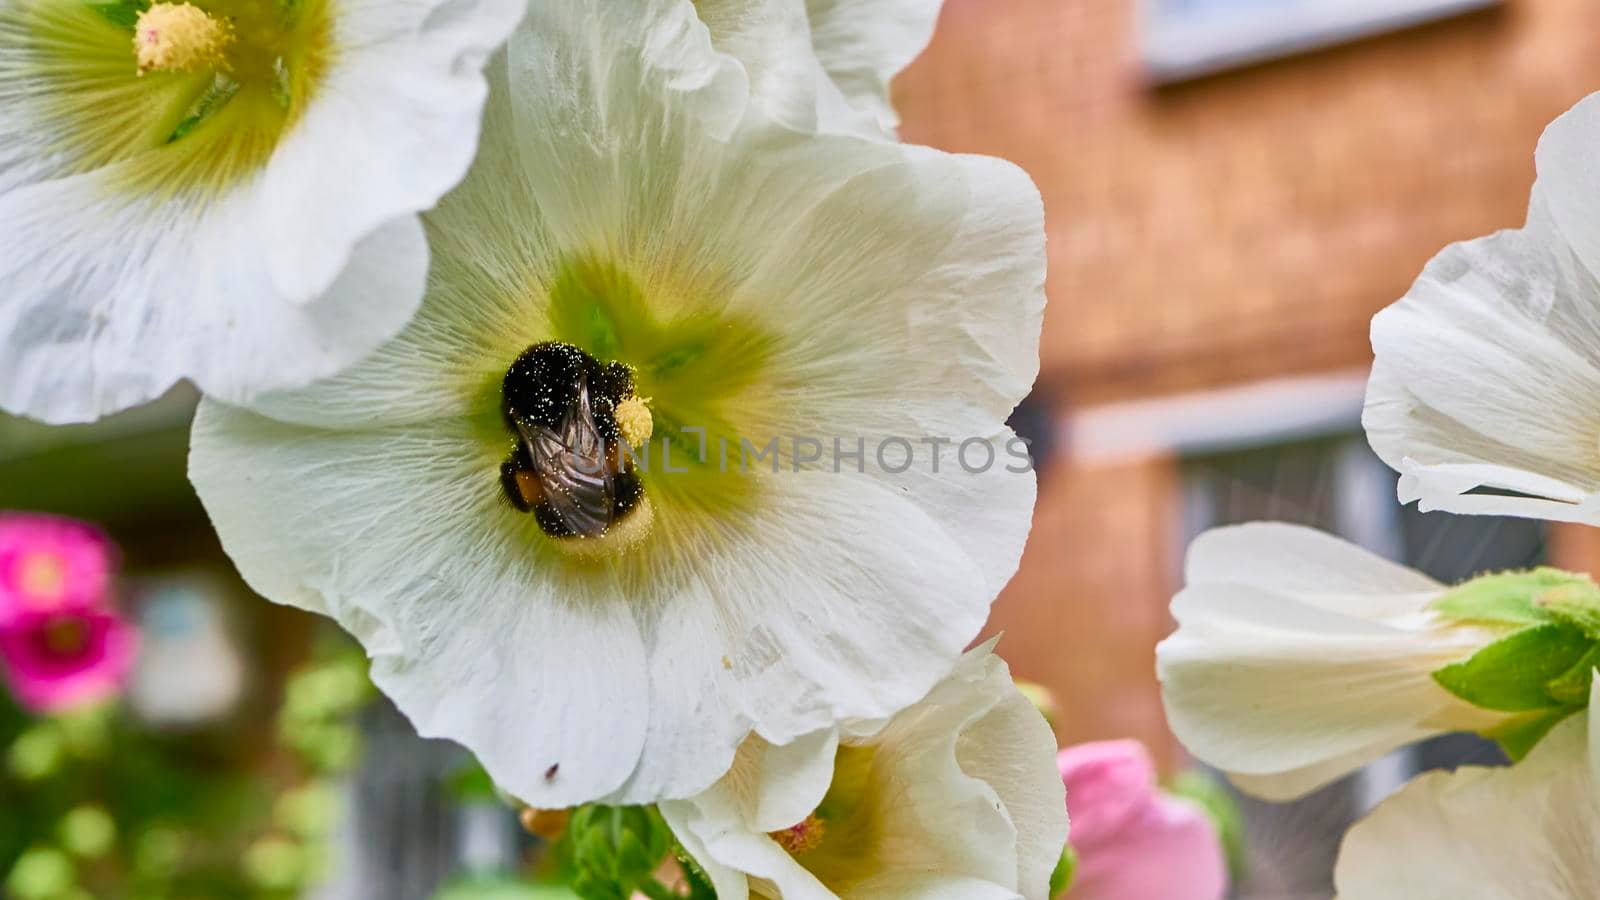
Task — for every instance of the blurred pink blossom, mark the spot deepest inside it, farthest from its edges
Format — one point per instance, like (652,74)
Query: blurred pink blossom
(1134,842)
(49,563)
(58,660)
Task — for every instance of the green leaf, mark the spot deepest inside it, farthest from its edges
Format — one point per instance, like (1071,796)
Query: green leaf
(1513,673)
(1518,735)
(1572,687)
(1066,867)
(1511,598)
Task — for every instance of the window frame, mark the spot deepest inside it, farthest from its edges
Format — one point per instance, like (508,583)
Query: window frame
(1176,50)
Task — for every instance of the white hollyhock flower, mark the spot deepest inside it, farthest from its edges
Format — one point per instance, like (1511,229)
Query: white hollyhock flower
(1486,389)
(955,797)
(1529,831)
(630,206)
(1299,658)
(221,190)
(824,62)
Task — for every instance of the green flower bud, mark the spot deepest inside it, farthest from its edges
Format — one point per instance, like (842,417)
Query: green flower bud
(615,849)
(1542,661)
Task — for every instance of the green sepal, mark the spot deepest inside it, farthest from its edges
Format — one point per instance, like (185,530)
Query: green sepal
(1576,605)
(1066,868)
(699,883)
(1513,598)
(616,850)
(1572,687)
(1514,673)
(1221,806)
(1518,735)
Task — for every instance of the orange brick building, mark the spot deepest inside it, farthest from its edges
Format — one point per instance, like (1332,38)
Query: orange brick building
(1208,240)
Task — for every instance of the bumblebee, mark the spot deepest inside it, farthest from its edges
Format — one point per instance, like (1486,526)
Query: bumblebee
(569,466)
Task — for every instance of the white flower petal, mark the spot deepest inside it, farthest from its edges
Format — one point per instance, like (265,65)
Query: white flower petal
(1002,750)
(1488,371)
(1313,565)
(393,128)
(772,39)
(81,340)
(962,793)
(107,298)
(617,130)
(496,657)
(1303,658)
(784,643)
(1569,190)
(1530,831)
(823,63)
(863,44)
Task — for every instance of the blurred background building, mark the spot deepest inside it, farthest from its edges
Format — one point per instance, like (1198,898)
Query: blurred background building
(1232,188)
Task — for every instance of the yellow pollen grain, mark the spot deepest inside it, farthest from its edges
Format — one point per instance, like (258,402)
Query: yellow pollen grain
(801,838)
(179,37)
(634,421)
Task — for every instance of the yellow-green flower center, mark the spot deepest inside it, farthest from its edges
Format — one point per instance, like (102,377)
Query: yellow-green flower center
(698,420)
(841,842)
(802,837)
(180,98)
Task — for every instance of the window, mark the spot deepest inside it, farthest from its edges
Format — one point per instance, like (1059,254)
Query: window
(1186,38)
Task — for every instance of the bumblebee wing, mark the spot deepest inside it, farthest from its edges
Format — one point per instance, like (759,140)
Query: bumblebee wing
(571,466)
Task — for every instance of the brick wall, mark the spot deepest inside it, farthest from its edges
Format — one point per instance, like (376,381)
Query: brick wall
(1251,223)
(1221,231)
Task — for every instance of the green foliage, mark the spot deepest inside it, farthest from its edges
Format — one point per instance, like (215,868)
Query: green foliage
(699,884)
(503,889)
(98,806)
(1518,672)
(470,783)
(616,851)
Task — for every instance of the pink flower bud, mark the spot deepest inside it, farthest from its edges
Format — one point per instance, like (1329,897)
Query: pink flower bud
(1132,841)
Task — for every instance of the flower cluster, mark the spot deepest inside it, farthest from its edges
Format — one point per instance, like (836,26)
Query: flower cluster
(62,642)
(441,277)
(1300,658)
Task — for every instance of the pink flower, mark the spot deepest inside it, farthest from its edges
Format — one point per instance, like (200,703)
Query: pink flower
(49,563)
(1132,841)
(67,658)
